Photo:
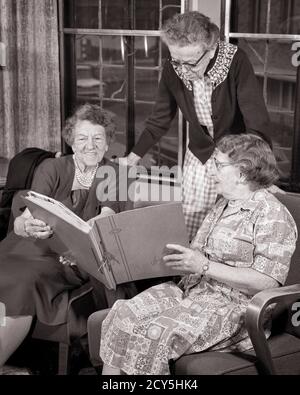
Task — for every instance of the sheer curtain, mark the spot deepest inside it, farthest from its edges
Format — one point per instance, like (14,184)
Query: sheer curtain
(29,84)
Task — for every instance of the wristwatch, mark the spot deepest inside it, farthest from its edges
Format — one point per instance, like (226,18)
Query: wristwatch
(205,267)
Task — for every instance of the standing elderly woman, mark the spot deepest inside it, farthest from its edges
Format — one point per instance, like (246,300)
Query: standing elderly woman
(32,279)
(214,85)
(243,246)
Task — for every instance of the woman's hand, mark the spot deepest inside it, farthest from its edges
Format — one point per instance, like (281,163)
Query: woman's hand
(131,160)
(187,260)
(67,259)
(27,226)
(37,228)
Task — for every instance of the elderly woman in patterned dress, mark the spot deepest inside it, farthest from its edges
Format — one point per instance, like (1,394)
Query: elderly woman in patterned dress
(243,246)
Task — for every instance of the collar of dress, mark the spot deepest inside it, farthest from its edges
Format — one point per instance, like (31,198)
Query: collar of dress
(218,72)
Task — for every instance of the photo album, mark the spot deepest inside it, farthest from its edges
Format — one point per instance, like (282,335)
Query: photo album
(119,248)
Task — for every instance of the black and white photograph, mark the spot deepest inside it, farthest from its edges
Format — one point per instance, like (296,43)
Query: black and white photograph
(149,191)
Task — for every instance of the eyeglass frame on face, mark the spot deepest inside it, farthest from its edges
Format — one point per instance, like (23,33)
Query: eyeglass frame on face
(187,64)
(219,165)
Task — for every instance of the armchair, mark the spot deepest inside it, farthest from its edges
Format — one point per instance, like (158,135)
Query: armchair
(280,354)
(81,305)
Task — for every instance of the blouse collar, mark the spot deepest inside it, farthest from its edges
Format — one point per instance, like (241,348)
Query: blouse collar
(217,69)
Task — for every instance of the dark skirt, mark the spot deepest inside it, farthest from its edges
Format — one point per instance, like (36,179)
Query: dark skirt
(33,281)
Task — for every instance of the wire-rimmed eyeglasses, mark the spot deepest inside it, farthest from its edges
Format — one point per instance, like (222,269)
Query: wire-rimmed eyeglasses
(175,63)
(219,165)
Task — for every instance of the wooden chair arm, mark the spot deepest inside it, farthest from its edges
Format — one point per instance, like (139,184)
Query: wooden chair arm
(94,335)
(81,306)
(255,320)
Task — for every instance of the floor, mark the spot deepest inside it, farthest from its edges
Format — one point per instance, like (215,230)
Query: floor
(36,357)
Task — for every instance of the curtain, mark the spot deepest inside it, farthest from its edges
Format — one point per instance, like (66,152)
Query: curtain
(29,84)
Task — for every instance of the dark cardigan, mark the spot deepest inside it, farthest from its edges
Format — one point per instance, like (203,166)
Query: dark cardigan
(237,107)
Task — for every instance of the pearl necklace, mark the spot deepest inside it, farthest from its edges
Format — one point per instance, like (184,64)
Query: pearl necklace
(84,179)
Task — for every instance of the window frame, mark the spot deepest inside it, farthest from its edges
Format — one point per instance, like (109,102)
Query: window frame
(227,15)
(68,85)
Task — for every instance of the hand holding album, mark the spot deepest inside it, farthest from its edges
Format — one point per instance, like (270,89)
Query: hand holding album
(118,248)
(36,228)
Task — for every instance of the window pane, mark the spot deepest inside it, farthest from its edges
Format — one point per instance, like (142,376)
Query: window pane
(118,14)
(146,84)
(88,84)
(113,50)
(285,17)
(81,14)
(278,76)
(147,51)
(100,73)
(114,80)
(249,16)
(163,153)
(103,66)
(118,145)
(147,15)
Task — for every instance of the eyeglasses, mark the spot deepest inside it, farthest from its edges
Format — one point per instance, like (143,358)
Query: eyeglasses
(187,64)
(219,165)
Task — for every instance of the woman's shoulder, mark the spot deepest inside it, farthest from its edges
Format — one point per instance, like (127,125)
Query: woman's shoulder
(56,166)
(57,163)
(241,62)
(272,209)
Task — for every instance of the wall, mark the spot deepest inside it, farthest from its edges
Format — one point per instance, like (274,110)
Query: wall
(211,8)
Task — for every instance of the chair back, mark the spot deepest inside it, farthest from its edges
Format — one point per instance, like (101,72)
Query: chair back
(292,203)
(21,169)
(284,313)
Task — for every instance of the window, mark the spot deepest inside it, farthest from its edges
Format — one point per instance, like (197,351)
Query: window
(112,55)
(267,31)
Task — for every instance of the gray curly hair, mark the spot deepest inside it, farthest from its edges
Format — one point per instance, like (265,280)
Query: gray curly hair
(254,157)
(94,114)
(190,28)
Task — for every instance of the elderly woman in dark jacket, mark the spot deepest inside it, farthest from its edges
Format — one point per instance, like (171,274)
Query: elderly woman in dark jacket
(33,281)
(214,85)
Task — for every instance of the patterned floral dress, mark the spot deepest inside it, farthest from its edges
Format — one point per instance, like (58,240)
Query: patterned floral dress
(141,335)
